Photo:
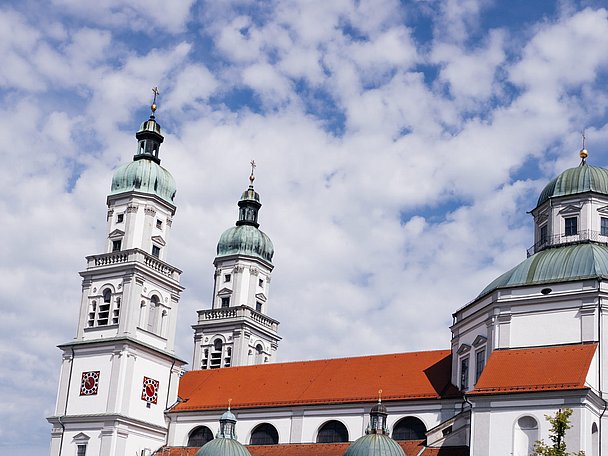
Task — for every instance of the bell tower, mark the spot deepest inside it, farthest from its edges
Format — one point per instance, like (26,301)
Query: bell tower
(120,372)
(237,330)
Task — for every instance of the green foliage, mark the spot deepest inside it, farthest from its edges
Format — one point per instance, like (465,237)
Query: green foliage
(560,423)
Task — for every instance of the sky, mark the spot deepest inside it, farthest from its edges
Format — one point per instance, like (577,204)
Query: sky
(399,147)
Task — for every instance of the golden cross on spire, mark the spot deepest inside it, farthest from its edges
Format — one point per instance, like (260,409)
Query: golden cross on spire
(156,93)
(379,396)
(229,402)
(252,177)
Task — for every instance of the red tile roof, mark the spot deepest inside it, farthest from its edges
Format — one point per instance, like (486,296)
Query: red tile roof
(417,375)
(411,448)
(555,368)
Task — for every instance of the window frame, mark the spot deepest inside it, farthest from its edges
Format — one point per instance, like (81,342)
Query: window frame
(478,369)
(604,227)
(570,226)
(464,371)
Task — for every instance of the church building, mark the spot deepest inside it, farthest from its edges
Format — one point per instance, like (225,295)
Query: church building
(531,343)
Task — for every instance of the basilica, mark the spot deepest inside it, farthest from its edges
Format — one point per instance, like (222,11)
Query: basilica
(531,343)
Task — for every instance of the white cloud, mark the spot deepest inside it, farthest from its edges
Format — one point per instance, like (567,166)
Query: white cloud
(381,229)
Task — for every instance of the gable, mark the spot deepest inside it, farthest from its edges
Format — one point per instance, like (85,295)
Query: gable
(570,209)
(159,240)
(116,234)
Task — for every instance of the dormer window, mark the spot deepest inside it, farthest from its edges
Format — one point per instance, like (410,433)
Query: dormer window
(571,226)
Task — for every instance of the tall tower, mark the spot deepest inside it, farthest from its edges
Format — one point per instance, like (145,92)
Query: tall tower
(237,330)
(120,373)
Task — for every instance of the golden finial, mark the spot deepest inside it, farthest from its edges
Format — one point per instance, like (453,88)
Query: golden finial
(583,153)
(379,396)
(229,402)
(156,93)
(251,176)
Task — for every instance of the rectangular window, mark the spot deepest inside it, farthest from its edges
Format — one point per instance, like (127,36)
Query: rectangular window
(464,374)
(258,306)
(604,226)
(120,218)
(225,302)
(480,362)
(81,450)
(543,234)
(571,226)
(155,251)
(227,277)
(116,246)
(261,282)
(159,224)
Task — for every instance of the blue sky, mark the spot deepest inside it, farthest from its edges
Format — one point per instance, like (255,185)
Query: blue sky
(399,145)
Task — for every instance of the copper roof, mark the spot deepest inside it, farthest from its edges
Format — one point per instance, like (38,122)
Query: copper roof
(401,376)
(562,367)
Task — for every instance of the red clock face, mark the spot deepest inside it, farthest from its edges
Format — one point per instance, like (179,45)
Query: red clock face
(149,392)
(89,383)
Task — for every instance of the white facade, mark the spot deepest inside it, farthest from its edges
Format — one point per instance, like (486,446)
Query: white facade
(120,374)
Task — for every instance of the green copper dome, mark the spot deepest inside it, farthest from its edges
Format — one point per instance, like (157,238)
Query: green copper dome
(374,445)
(223,447)
(245,240)
(565,263)
(583,178)
(146,176)
(144,173)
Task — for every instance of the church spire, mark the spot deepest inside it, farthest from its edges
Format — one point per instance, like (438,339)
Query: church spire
(149,137)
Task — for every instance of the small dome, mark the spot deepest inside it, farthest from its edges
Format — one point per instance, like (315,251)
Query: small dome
(583,178)
(245,240)
(223,447)
(145,176)
(569,262)
(374,445)
(379,408)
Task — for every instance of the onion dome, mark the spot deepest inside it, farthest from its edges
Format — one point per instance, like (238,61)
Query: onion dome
(565,263)
(376,441)
(583,178)
(225,442)
(144,173)
(246,238)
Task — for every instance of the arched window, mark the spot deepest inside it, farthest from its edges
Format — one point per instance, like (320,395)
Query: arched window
(595,441)
(199,436)
(104,308)
(216,354)
(153,314)
(332,432)
(264,434)
(409,428)
(525,433)
(259,354)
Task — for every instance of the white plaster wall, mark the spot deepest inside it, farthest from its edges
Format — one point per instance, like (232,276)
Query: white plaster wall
(546,328)
(81,405)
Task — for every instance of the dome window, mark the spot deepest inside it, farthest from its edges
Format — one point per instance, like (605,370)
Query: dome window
(570,226)
(604,226)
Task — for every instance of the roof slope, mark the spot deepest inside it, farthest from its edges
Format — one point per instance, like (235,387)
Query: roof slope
(568,262)
(583,178)
(411,448)
(555,368)
(416,375)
